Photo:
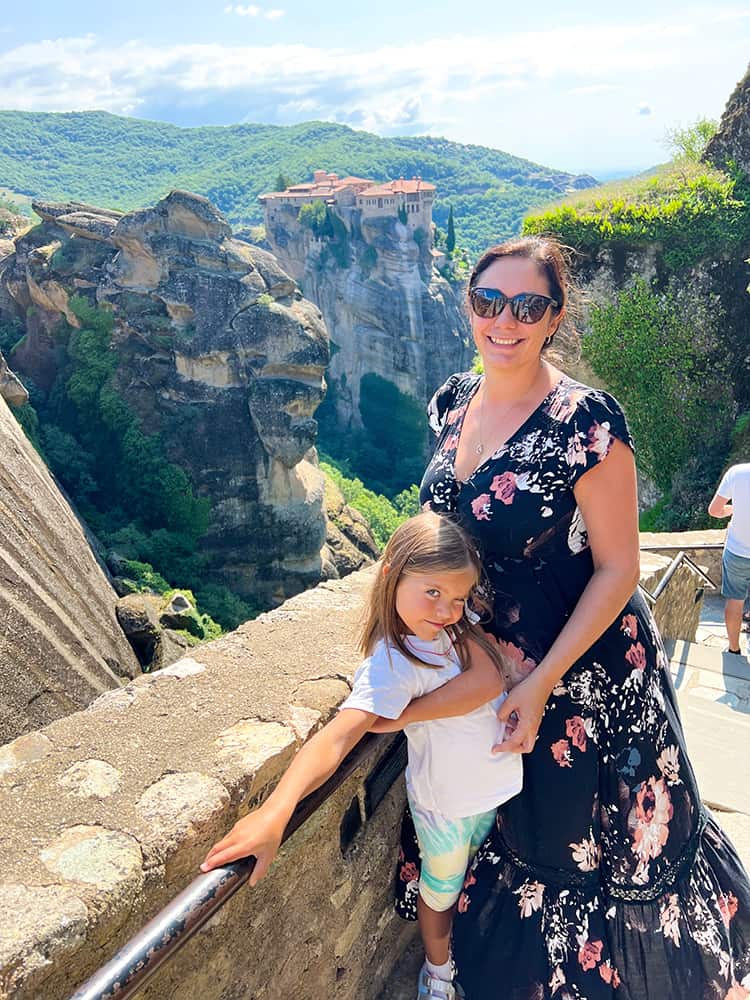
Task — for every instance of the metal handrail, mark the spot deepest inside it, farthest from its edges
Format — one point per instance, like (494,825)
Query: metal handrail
(681,557)
(669,548)
(173,926)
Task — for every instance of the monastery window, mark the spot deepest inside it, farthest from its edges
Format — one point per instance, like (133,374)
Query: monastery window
(380,202)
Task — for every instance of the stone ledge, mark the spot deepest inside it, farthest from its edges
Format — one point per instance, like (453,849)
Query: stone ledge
(109,811)
(690,542)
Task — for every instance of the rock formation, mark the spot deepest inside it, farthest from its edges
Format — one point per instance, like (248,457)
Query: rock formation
(388,313)
(731,144)
(60,643)
(217,351)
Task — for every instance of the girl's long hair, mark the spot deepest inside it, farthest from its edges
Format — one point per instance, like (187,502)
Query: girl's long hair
(426,543)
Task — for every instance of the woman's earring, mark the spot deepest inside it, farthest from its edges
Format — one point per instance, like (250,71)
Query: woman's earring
(548,340)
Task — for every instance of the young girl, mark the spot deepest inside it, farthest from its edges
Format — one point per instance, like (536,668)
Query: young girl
(416,637)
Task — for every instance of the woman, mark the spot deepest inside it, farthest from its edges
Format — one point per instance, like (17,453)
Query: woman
(604,878)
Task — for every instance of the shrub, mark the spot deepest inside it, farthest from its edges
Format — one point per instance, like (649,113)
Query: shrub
(393,448)
(10,333)
(664,373)
(313,216)
(693,211)
(368,260)
(380,513)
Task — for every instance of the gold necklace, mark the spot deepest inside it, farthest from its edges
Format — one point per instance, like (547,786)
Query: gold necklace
(480,446)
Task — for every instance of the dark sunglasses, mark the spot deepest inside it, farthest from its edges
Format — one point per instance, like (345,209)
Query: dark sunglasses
(526,307)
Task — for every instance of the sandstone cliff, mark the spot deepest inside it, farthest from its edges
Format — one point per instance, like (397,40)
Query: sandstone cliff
(60,644)
(388,312)
(217,352)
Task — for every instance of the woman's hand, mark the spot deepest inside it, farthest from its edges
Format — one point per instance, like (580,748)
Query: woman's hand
(526,703)
(259,833)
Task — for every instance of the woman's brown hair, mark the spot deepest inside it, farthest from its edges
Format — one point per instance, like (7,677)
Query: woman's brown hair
(552,259)
(425,543)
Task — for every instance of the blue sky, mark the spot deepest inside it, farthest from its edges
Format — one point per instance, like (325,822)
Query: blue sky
(580,87)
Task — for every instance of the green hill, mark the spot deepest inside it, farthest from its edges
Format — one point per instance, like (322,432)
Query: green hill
(126,163)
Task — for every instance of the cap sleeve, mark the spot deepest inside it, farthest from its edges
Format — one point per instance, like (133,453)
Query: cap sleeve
(726,484)
(595,424)
(442,402)
(383,684)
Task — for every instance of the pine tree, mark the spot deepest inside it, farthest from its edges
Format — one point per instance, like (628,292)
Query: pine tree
(282,182)
(450,241)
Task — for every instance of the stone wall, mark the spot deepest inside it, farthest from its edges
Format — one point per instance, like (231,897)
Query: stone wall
(107,814)
(677,610)
(692,544)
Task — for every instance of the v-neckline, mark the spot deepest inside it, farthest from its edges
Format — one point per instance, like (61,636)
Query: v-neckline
(460,426)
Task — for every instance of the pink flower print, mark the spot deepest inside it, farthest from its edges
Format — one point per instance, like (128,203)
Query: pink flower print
(576,453)
(451,442)
(558,979)
(669,918)
(504,487)
(463,903)
(669,764)
(481,507)
(636,656)
(589,954)
(586,854)
(561,753)
(600,439)
(727,906)
(517,663)
(409,872)
(564,406)
(649,818)
(629,626)
(574,728)
(609,974)
(530,897)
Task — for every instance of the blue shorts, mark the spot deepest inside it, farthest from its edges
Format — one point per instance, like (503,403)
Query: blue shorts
(735,576)
(446,846)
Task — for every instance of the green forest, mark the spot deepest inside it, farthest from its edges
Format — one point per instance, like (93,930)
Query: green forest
(127,163)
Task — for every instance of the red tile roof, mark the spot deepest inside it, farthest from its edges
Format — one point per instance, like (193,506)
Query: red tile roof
(367,188)
(400,186)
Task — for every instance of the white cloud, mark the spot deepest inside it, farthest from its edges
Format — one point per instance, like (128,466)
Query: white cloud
(251,10)
(594,89)
(435,84)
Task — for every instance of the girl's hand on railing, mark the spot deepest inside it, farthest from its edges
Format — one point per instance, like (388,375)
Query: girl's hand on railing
(258,834)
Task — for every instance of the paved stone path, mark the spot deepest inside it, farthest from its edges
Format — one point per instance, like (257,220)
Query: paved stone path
(713,690)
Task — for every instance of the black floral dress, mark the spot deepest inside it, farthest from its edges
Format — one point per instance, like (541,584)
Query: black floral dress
(605,878)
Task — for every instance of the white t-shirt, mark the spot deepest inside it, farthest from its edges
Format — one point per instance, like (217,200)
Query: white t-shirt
(451,769)
(735,486)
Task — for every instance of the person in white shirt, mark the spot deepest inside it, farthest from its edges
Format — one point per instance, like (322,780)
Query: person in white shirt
(732,500)
(419,633)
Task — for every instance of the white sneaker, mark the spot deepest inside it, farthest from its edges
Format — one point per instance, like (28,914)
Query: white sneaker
(431,988)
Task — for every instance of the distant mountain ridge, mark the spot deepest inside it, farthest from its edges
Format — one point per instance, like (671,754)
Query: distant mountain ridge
(126,163)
